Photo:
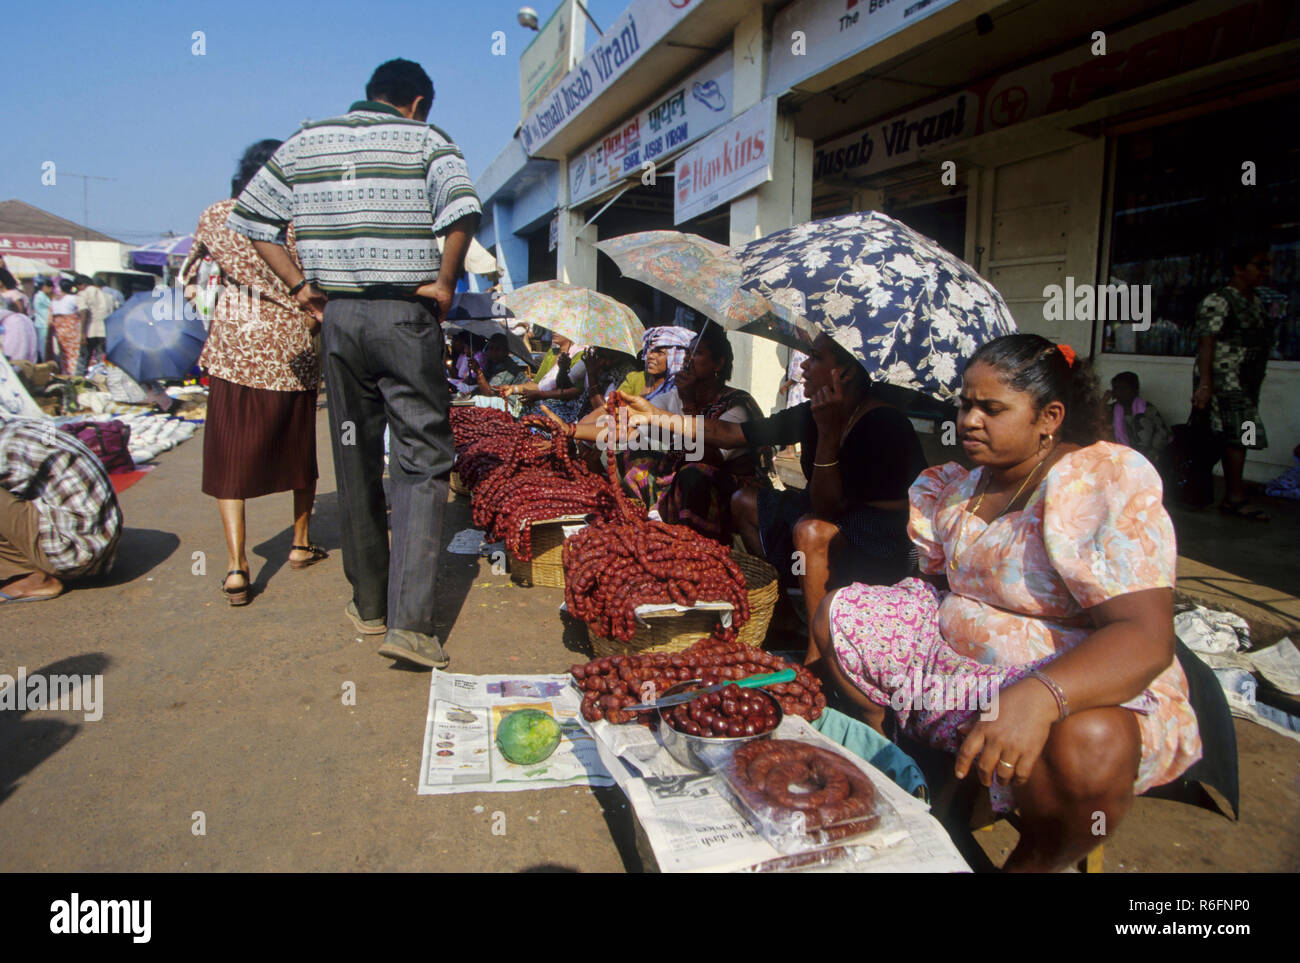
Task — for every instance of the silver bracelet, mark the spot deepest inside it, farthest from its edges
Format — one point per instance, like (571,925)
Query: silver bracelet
(1062,703)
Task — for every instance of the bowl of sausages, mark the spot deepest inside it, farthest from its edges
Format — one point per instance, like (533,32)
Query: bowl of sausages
(703,733)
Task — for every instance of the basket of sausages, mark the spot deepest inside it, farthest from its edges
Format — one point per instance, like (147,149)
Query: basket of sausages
(801,796)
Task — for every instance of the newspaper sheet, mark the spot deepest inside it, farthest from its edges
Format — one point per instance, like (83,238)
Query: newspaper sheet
(691,827)
(460,751)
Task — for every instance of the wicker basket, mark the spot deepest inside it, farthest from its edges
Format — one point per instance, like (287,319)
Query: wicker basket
(676,631)
(458,486)
(547,567)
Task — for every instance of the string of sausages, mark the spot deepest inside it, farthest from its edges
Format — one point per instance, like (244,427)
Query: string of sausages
(611,684)
(779,778)
(537,479)
(616,564)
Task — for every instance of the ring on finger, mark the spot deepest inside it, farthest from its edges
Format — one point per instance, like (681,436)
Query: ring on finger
(1009,765)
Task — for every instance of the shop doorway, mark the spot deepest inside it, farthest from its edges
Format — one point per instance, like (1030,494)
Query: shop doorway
(943,221)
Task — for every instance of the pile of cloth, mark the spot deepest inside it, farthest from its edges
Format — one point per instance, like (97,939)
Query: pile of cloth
(1222,641)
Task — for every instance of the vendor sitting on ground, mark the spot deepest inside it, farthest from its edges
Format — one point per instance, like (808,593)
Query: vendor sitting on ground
(499,371)
(59,517)
(663,349)
(859,455)
(606,370)
(560,381)
(1049,573)
(460,379)
(1134,421)
(693,485)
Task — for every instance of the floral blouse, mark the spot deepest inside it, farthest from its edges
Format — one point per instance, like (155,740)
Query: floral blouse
(259,336)
(1094,529)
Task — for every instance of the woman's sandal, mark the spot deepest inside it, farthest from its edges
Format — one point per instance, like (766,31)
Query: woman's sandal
(1245,510)
(317,554)
(237,596)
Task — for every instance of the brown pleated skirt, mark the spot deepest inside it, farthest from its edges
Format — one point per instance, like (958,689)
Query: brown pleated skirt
(256,442)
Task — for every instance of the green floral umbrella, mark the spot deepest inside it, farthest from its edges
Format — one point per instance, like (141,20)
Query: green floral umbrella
(705,276)
(579,314)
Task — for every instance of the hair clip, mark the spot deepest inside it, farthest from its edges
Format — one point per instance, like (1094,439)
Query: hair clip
(1068,353)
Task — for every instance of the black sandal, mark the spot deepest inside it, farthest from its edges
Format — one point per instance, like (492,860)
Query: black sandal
(237,596)
(317,554)
(1244,509)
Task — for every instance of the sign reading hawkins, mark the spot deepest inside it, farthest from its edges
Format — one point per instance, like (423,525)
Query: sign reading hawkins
(641,26)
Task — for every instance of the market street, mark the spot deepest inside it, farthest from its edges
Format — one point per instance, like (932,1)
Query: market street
(236,713)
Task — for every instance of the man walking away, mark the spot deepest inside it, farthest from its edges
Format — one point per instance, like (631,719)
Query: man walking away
(367,192)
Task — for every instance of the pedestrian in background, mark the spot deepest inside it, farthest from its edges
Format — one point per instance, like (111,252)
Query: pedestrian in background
(96,305)
(69,327)
(1236,336)
(41,316)
(367,193)
(263,379)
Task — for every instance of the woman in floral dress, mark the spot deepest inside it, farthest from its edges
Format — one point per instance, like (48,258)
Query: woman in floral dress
(264,374)
(1049,573)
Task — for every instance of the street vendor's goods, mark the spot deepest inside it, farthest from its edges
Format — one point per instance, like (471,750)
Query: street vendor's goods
(538,480)
(527,736)
(612,684)
(731,713)
(469,425)
(783,777)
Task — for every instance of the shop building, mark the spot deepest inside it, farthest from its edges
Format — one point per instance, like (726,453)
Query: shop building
(1056,147)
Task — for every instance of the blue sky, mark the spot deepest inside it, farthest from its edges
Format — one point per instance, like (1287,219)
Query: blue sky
(112,89)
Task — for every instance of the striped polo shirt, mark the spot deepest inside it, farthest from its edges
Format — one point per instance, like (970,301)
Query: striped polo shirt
(367,193)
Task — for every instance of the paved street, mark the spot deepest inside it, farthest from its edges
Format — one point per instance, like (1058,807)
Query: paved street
(237,713)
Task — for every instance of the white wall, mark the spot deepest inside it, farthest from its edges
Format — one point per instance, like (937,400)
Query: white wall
(1168,383)
(91,256)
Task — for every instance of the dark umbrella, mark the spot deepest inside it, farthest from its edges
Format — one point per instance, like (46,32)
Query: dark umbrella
(909,311)
(481,313)
(154,336)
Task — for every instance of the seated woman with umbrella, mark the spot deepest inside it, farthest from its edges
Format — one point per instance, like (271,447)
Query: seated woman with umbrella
(859,456)
(694,485)
(560,381)
(1049,574)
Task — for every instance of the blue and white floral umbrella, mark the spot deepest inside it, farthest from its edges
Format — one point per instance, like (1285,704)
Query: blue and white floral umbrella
(906,308)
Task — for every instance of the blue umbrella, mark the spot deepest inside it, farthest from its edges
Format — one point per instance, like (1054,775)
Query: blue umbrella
(155,335)
(907,309)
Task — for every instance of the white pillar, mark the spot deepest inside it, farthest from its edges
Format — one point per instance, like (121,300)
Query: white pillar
(782,202)
(575,253)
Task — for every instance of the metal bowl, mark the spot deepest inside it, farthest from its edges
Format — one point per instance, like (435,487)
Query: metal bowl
(703,753)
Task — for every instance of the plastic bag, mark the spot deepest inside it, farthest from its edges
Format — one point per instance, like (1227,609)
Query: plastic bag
(800,796)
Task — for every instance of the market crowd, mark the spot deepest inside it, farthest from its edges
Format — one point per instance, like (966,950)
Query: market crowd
(1044,564)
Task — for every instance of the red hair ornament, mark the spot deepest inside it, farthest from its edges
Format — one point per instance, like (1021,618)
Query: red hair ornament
(1068,353)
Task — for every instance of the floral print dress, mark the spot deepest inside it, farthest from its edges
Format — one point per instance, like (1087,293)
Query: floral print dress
(1093,529)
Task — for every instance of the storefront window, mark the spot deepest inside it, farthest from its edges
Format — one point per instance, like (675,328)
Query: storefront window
(1181,204)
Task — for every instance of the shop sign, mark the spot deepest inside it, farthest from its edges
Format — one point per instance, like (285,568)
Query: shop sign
(54,251)
(641,26)
(699,104)
(1183,40)
(809,36)
(553,239)
(548,58)
(729,162)
(898,140)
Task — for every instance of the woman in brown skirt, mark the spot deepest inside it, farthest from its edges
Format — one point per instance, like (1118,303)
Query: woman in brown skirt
(264,373)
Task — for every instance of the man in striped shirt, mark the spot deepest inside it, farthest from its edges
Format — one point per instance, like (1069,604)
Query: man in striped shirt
(368,193)
(59,517)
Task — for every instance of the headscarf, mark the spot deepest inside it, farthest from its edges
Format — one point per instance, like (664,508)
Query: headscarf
(677,340)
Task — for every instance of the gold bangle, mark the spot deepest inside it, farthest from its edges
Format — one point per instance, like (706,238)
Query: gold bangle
(829,464)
